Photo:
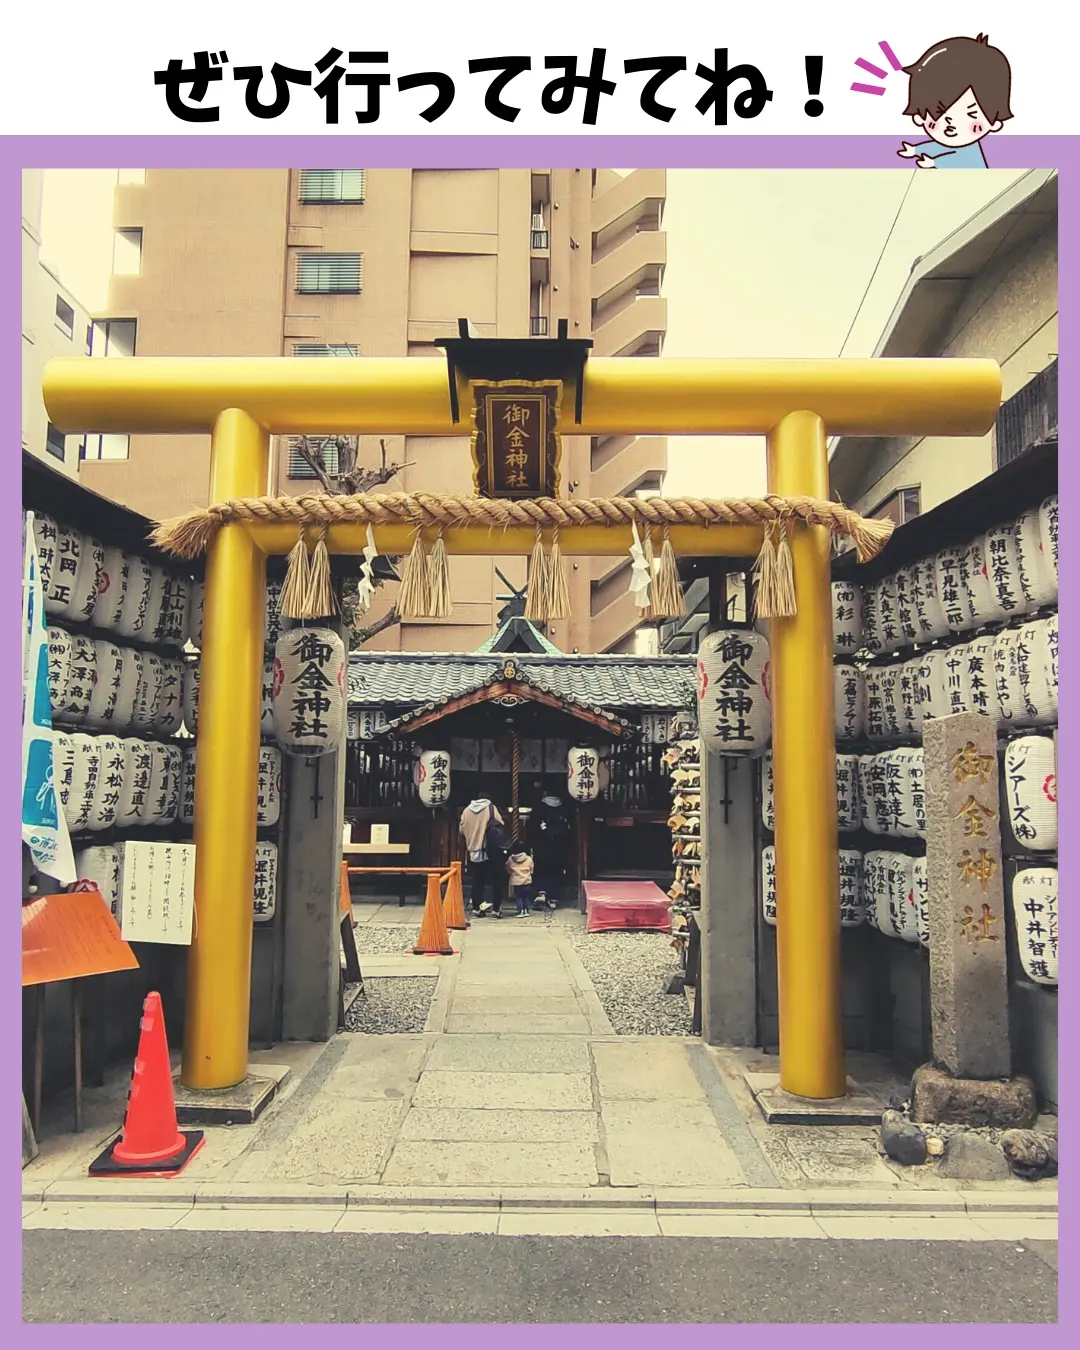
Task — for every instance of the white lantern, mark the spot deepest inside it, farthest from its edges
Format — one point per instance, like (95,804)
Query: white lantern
(85,772)
(109,783)
(899,806)
(154,625)
(891,706)
(906,607)
(932,672)
(848,801)
(63,773)
(168,713)
(98,869)
(768,798)
(59,640)
(108,686)
(1048,535)
(1004,567)
(903,910)
(84,590)
(921,889)
(980,690)
(195,614)
(266,723)
(889,631)
(952,589)
(846,618)
(135,800)
(1034,897)
(81,673)
(983,599)
(58,560)
(191,696)
(309,692)
(852,896)
(1010,693)
(137,600)
(112,589)
(877,724)
(916,772)
(174,611)
(264,899)
(955,674)
(269,799)
(909,710)
(583,773)
(768,885)
(272,622)
(45,535)
(187,786)
(872,793)
(733,692)
(1031,791)
(876,890)
(1037,682)
(1050,637)
(871,624)
(849,702)
(168,801)
(369,722)
(928,609)
(151,683)
(1038,575)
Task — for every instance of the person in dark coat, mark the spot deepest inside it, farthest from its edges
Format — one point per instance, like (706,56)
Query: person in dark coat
(549,841)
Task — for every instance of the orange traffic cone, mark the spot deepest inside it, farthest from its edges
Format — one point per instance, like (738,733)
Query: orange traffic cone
(150,1144)
(454,904)
(433,939)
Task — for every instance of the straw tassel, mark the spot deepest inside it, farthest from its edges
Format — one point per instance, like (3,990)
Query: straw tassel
(414,601)
(775,576)
(294,591)
(670,601)
(319,600)
(650,611)
(558,601)
(536,597)
(442,604)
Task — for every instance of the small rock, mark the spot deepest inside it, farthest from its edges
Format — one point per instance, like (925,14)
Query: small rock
(937,1097)
(675,985)
(903,1142)
(972,1157)
(935,1147)
(1029,1154)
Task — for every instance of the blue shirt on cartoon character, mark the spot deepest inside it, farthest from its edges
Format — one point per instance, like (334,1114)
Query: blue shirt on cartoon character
(958,92)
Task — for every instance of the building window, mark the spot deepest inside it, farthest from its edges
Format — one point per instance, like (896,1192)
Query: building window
(131,175)
(300,468)
(900,507)
(330,273)
(105,447)
(55,443)
(332,185)
(1029,418)
(127,253)
(65,317)
(113,337)
(325,349)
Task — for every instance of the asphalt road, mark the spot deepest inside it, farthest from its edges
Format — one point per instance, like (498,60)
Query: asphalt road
(168,1277)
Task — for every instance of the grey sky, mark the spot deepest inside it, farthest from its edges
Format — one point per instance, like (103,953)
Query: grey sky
(761,263)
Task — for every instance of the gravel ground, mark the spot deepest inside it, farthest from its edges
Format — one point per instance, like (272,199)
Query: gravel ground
(629,972)
(391,1007)
(382,940)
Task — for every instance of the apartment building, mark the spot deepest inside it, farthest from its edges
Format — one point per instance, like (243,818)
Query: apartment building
(342,263)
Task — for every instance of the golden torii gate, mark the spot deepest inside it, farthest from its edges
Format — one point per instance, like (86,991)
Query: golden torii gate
(795,404)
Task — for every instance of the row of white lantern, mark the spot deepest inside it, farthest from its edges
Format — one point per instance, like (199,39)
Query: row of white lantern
(1030,772)
(883,793)
(268,798)
(586,774)
(192,676)
(95,683)
(852,891)
(105,782)
(734,692)
(84,581)
(1009,571)
(271,622)
(102,866)
(897,895)
(1035,905)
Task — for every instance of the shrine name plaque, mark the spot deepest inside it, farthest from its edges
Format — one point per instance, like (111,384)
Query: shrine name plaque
(516,446)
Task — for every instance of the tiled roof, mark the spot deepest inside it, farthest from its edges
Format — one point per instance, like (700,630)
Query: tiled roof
(405,680)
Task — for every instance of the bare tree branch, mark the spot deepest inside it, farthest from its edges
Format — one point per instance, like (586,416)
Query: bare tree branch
(362,635)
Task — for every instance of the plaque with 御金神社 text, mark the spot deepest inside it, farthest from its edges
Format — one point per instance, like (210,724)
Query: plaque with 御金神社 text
(515,445)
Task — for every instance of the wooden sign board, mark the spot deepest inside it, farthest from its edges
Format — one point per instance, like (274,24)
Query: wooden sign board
(516,446)
(158,888)
(68,937)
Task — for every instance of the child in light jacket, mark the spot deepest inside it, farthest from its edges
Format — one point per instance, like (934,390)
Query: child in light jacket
(520,867)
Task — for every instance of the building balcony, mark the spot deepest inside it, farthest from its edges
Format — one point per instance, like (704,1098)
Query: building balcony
(635,265)
(539,257)
(639,464)
(638,199)
(633,329)
(538,325)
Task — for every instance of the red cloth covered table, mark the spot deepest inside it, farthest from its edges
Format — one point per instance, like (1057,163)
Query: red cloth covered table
(613,905)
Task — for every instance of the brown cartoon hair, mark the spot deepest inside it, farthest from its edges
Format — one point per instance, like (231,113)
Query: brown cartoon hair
(948,69)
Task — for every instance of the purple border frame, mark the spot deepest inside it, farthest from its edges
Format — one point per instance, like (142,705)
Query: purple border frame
(673,152)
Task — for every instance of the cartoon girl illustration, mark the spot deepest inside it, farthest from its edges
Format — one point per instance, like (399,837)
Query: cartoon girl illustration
(958,92)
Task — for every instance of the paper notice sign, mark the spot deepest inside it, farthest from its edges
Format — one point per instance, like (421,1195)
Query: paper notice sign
(68,937)
(158,887)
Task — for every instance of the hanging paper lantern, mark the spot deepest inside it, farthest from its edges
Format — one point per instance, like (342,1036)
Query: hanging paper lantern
(1037,574)
(84,589)
(768,885)
(1038,687)
(846,618)
(891,635)
(369,722)
(877,725)
(583,773)
(848,801)
(1048,535)
(138,600)
(849,711)
(135,805)
(871,619)
(63,774)
(768,799)
(112,589)
(952,589)
(1010,693)
(151,679)
(98,869)
(191,696)
(906,765)
(906,609)
(108,686)
(916,770)
(174,611)
(1034,898)
(955,675)
(187,786)
(903,908)
(876,890)
(852,900)
(168,712)
(60,580)
(264,900)
(85,773)
(1004,567)
(931,676)
(921,891)
(309,692)
(909,712)
(81,673)
(980,691)
(872,793)
(170,783)
(268,806)
(154,626)
(272,621)
(891,707)
(931,618)
(1031,791)
(984,605)
(45,535)
(108,784)
(59,640)
(1050,637)
(266,723)
(733,692)
(195,614)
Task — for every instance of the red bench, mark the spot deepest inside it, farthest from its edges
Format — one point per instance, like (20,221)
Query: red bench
(611,906)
